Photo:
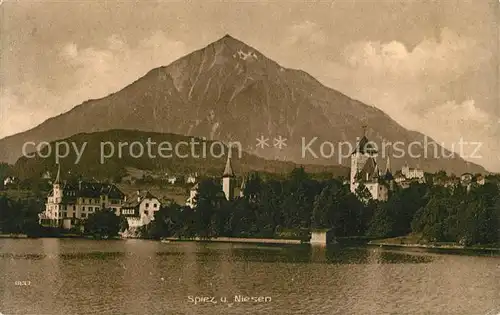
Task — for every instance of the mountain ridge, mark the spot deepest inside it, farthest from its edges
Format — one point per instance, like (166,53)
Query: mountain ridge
(216,90)
(93,163)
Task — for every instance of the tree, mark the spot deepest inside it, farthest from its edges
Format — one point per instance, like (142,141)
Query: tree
(103,224)
(208,210)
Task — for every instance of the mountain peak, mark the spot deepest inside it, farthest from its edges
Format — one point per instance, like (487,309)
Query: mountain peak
(235,48)
(230,41)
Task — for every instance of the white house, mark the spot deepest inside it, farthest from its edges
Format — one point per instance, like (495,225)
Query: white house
(193,192)
(172,179)
(140,209)
(9,180)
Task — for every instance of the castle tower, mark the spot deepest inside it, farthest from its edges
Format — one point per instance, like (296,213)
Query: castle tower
(364,150)
(56,186)
(228,180)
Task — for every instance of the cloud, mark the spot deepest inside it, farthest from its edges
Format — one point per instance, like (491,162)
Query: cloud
(464,121)
(431,59)
(306,32)
(425,87)
(418,87)
(88,73)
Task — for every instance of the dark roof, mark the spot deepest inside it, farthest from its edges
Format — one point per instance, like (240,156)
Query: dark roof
(370,170)
(365,146)
(133,201)
(90,190)
(388,176)
(228,170)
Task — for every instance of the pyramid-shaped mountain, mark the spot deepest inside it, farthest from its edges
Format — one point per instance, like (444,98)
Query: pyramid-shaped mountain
(230,91)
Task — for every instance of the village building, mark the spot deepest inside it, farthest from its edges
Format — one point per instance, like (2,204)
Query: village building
(9,180)
(481,180)
(70,203)
(466,179)
(192,178)
(140,209)
(193,192)
(172,179)
(412,173)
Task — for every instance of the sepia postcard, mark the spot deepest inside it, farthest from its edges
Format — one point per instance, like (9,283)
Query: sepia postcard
(322,157)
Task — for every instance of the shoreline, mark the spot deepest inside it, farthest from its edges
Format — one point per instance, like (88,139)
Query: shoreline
(14,236)
(233,240)
(252,240)
(440,247)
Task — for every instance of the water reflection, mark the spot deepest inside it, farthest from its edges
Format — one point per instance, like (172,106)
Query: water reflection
(147,277)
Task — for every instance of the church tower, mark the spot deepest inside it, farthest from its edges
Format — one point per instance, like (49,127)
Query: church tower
(56,186)
(228,181)
(364,150)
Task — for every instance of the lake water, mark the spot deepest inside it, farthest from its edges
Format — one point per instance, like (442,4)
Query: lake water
(71,276)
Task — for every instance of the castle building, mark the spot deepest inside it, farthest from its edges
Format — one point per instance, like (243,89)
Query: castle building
(140,209)
(68,204)
(365,171)
(412,173)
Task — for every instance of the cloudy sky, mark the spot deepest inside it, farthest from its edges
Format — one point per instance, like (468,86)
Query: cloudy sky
(431,65)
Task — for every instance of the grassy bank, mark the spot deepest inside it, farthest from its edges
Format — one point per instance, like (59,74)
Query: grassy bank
(417,241)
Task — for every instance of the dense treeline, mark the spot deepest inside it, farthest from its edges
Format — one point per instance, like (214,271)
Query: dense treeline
(271,208)
(291,207)
(19,217)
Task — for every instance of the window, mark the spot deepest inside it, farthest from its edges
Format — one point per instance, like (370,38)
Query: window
(128,211)
(83,208)
(74,207)
(147,205)
(146,212)
(65,214)
(155,206)
(83,215)
(96,209)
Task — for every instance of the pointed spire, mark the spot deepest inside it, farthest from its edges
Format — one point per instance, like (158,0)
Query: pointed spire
(376,172)
(388,166)
(58,176)
(364,130)
(243,184)
(228,170)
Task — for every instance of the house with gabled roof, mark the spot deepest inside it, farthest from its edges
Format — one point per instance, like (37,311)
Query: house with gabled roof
(140,208)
